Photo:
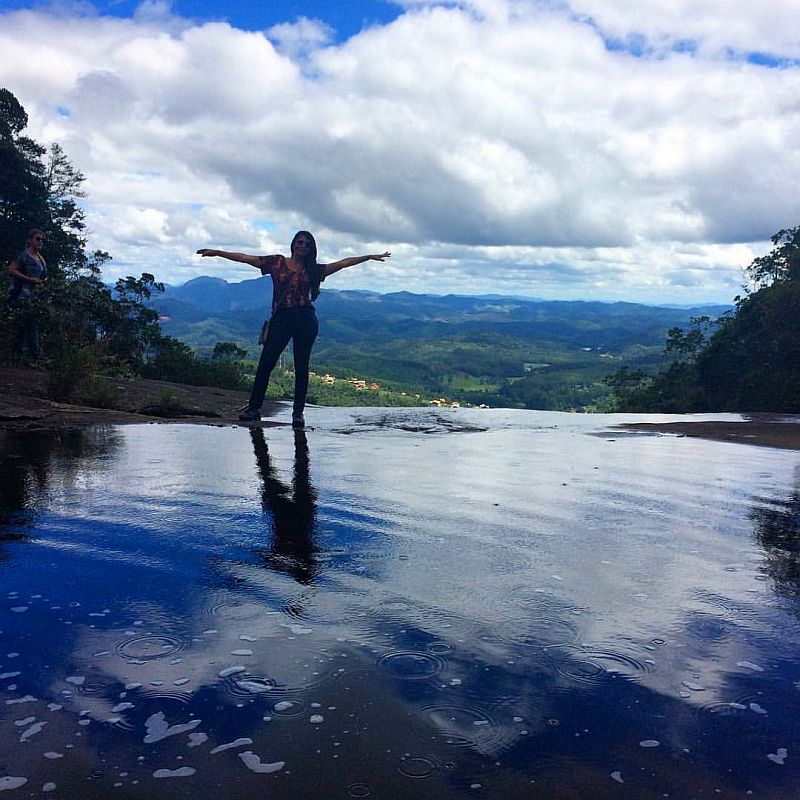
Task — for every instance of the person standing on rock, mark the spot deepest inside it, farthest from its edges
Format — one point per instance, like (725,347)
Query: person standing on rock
(28,270)
(295,287)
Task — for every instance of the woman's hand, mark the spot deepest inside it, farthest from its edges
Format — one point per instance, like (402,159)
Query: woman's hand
(381,257)
(207,251)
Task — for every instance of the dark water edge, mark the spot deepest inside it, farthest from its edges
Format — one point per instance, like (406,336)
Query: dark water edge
(398,604)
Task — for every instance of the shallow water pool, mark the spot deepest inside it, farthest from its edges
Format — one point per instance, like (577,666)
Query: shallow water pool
(398,604)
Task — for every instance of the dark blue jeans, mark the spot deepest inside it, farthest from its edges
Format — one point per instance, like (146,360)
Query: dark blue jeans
(27,335)
(298,325)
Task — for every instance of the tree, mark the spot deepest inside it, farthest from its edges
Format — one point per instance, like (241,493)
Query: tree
(66,222)
(752,363)
(77,311)
(23,196)
(751,360)
(781,264)
(685,346)
(134,325)
(227,352)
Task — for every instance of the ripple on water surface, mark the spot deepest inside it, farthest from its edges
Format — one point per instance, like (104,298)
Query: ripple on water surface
(591,664)
(467,726)
(439,648)
(534,618)
(336,605)
(418,767)
(237,610)
(441,623)
(245,684)
(295,667)
(160,694)
(149,647)
(411,665)
(537,631)
(289,708)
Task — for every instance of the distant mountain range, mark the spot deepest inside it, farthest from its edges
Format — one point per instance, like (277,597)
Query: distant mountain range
(203,307)
(510,351)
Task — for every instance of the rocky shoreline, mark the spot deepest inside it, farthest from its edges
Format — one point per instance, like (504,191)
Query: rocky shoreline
(24,406)
(766,430)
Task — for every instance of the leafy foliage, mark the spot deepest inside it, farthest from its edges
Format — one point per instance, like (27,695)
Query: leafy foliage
(85,326)
(173,360)
(746,361)
(781,264)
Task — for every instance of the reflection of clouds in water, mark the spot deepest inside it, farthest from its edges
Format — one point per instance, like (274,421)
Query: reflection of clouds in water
(174,462)
(660,527)
(482,605)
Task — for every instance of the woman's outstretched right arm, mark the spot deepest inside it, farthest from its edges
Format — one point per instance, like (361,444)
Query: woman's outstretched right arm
(244,258)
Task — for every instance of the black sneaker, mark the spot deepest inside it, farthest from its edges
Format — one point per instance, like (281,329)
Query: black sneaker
(298,421)
(250,415)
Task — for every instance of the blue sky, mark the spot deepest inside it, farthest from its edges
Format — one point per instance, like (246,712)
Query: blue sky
(570,149)
(345,18)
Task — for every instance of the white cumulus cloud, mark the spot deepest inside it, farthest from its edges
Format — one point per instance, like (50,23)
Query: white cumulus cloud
(630,150)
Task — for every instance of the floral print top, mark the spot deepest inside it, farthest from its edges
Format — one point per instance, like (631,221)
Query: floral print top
(299,291)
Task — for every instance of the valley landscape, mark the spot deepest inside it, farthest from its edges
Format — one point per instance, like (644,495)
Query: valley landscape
(497,351)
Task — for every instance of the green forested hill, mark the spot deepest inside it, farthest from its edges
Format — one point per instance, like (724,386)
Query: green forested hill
(498,351)
(746,361)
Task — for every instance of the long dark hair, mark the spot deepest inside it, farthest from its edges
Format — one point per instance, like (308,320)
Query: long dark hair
(310,263)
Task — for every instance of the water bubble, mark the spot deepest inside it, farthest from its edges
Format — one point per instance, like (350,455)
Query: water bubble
(181,772)
(158,728)
(252,684)
(694,686)
(749,665)
(289,708)
(230,746)
(234,670)
(254,763)
(779,757)
(11,782)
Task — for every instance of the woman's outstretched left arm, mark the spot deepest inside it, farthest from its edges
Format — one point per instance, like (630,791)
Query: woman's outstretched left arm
(351,262)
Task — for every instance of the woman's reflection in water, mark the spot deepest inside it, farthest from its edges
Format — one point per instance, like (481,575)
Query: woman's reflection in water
(292,510)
